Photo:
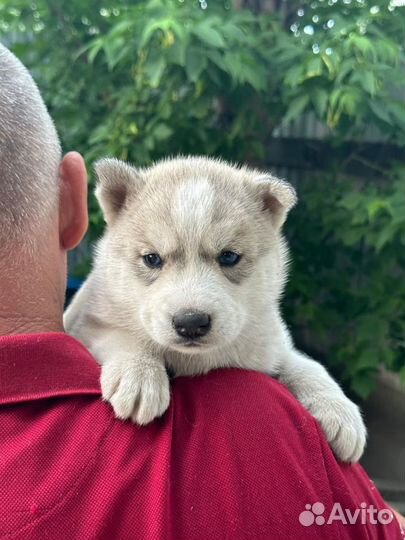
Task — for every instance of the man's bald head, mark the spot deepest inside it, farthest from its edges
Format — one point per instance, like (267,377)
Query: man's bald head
(29,157)
(43,206)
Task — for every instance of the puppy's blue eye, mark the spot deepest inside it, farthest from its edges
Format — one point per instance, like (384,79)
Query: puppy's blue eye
(153,260)
(228,258)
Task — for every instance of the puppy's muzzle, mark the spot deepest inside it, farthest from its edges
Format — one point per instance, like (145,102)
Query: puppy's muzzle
(191,324)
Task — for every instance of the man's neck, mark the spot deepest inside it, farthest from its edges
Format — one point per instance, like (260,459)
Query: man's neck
(30,303)
(11,325)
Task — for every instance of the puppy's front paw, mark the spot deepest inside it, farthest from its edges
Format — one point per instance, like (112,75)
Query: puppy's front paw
(139,392)
(342,424)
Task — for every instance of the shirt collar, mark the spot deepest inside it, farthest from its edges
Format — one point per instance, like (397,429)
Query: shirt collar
(39,366)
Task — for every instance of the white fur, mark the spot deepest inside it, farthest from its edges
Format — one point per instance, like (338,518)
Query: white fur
(200,200)
(188,210)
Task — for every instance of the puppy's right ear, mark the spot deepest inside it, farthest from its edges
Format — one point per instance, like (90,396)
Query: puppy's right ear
(116,181)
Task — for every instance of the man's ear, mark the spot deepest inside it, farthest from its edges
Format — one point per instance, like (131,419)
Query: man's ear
(73,217)
(116,181)
(278,197)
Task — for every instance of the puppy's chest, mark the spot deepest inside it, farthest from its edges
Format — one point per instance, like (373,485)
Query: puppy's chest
(178,364)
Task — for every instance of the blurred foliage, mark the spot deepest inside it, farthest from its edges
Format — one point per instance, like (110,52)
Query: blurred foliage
(150,78)
(346,292)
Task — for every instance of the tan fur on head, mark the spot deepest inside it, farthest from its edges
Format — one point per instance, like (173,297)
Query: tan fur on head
(117,180)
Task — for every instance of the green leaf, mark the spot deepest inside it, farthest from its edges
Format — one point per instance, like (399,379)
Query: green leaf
(352,201)
(209,35)
(368,82)
(396,111)
(335,97)
(361,44)
(375,206)
(352,236)
(113,51)
(196,62)
(217,58)
(233,32)
(380,110)
(366,360)
(329,64)
(152,27)
(349,102)
(149,143)
(288,53)
(154,70)
(94,49)
(346,67)
(385,236)
(254,76)
(314,68)
(294,76)
(177,53)
(363,384)
(162,132)
(133,129)
(121,28)
(320,100)
(387,51)
(296,107)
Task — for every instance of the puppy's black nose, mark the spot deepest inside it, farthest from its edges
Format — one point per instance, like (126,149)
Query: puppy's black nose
(192,324)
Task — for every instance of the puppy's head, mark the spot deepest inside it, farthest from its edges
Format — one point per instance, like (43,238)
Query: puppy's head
(193,245)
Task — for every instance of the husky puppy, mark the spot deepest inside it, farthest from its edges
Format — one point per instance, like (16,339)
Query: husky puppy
(189,276)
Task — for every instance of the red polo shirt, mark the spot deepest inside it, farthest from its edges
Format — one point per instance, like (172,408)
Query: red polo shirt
(235,457)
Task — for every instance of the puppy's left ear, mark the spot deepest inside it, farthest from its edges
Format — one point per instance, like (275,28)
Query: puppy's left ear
(116,182)
(278,197)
